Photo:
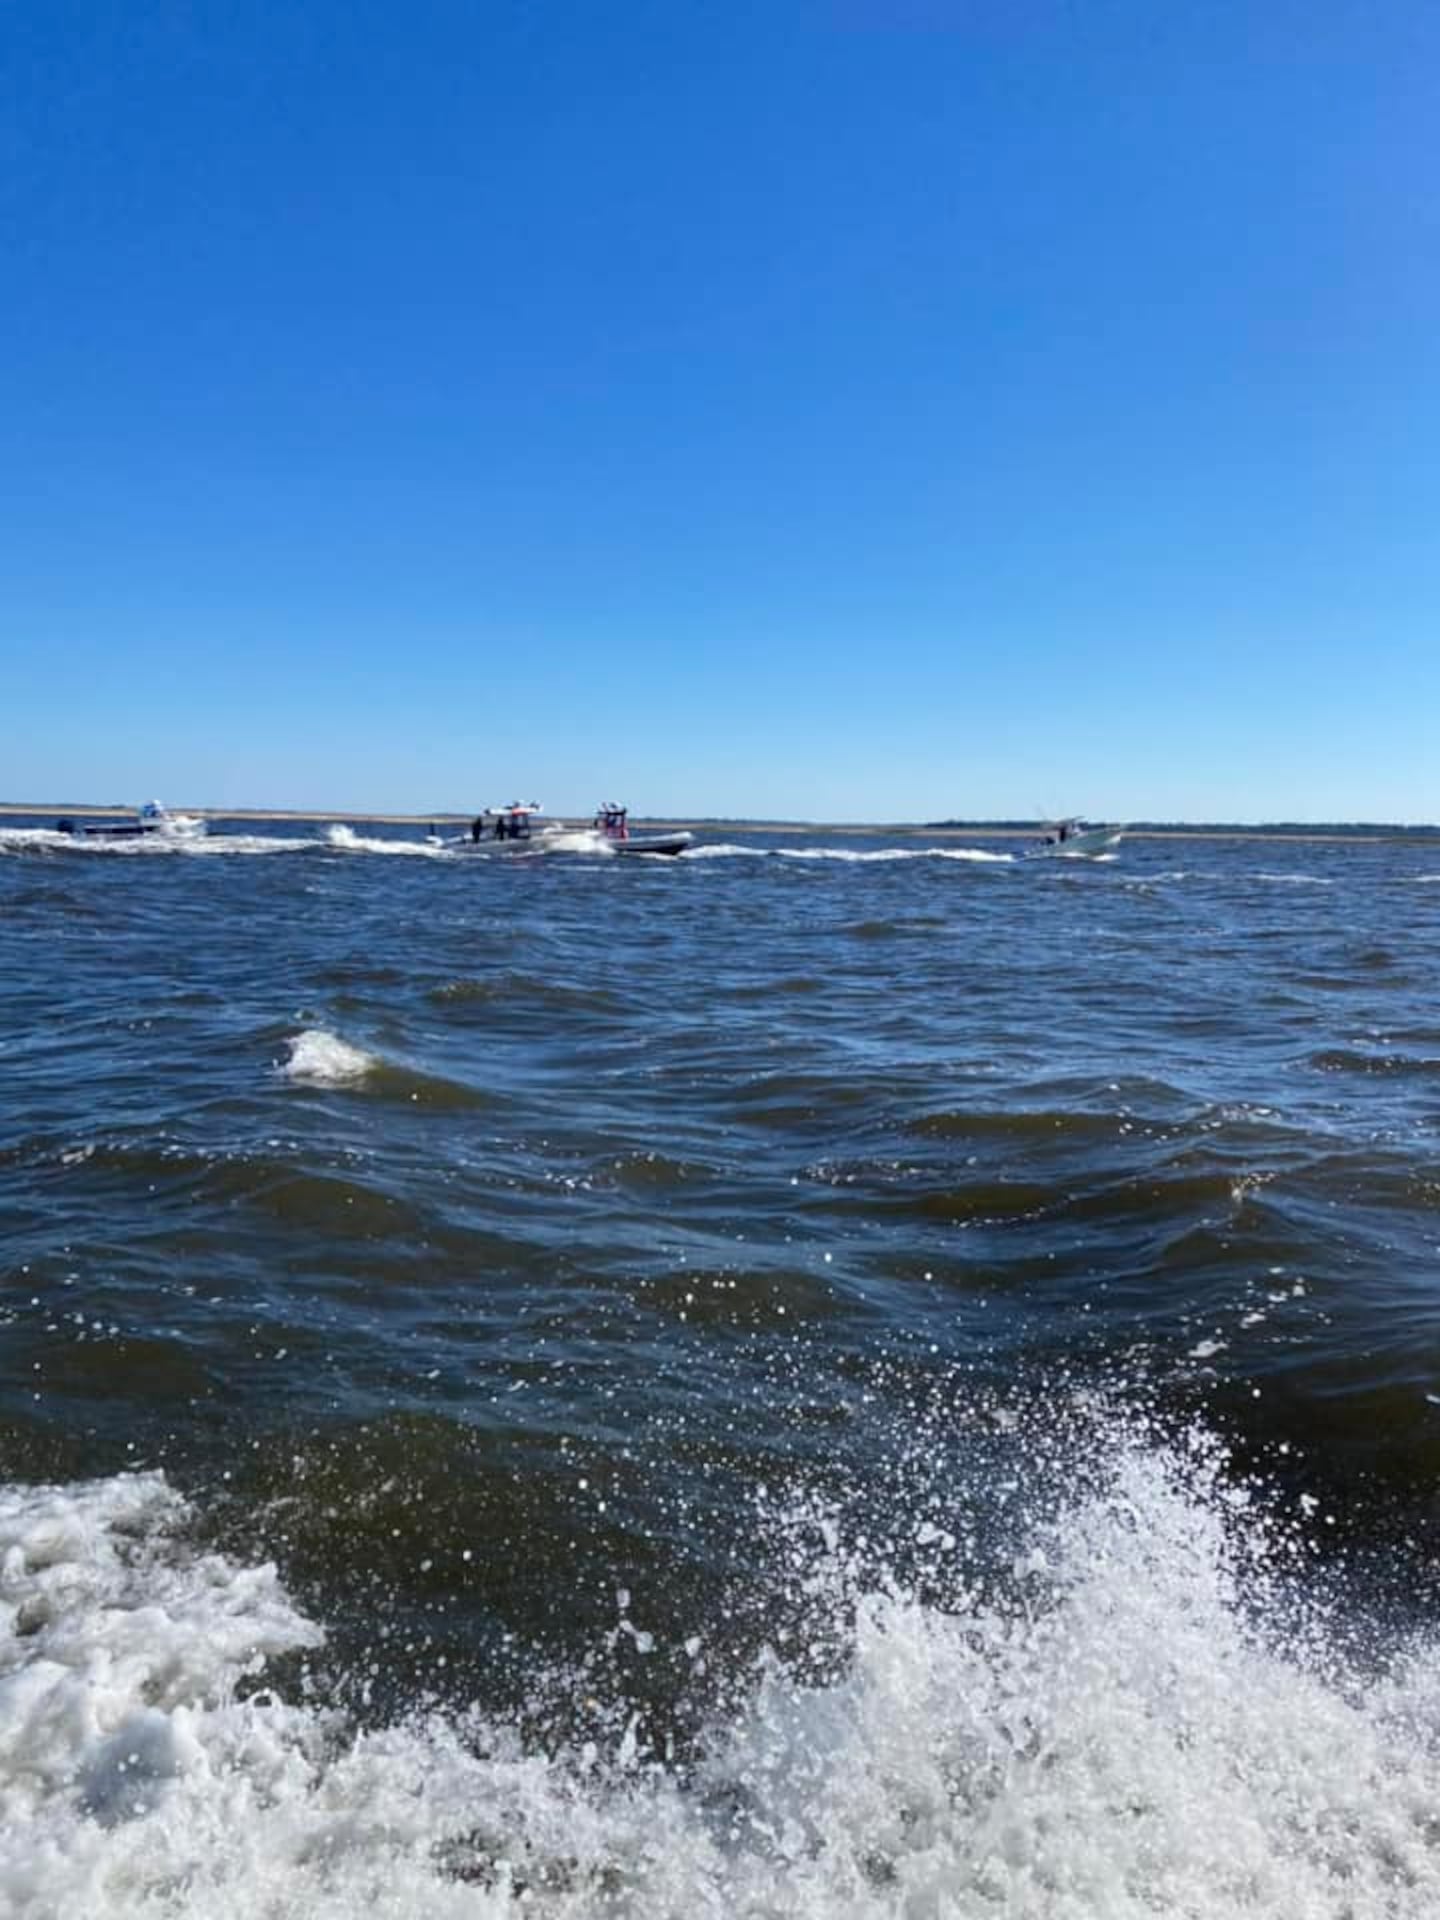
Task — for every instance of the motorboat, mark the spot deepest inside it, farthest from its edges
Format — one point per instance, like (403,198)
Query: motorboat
(613,824)
(149,819)
(520,827)
(1075,839)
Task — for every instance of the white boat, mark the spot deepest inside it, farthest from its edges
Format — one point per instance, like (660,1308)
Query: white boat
(613,824)
(150,819)
(520,827)
(1075,839)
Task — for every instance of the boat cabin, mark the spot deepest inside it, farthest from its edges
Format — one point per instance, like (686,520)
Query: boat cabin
(612,821)
(517,821)
(149,818)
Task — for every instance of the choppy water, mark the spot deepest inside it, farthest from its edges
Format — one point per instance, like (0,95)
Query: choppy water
(812,1379)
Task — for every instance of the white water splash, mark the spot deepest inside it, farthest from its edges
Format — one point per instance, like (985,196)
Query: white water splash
(120,1655)
(339,838)
(1146,1726)
(152,845)
(552,838)
(346,840)
(853,856)
(322,1059)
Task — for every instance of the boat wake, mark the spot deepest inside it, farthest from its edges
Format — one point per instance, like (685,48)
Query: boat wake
(46,840)
(337,838)
(851,856)
(346,840)
(1137,1712)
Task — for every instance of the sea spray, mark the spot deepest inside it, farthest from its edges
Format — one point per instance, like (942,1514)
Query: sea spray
(1139,1714)
(322,1059)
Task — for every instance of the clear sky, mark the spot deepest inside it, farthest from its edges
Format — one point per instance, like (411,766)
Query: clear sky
(844,409)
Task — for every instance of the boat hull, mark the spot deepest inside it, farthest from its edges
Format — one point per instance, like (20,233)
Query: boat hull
(1088,845)
(169,826)
(671,843)
(552,840)
(578,840)
(103,833)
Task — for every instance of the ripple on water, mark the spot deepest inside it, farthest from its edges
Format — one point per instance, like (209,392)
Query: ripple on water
(510,989)
(662,1351)
(1366,1060)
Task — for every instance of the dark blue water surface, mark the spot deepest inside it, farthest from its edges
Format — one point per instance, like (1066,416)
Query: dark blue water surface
(480,1240)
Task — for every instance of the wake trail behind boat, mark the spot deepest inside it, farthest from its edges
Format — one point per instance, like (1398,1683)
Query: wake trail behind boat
(849,856)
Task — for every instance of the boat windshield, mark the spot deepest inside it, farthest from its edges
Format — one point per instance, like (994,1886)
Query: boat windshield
(514,821)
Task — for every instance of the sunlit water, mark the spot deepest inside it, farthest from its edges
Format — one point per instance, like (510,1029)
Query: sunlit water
(814,1378)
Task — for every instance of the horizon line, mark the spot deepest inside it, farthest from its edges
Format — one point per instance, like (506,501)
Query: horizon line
(1014,823)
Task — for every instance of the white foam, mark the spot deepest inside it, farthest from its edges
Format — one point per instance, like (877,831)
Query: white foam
(18,839)
(44,839)
(120,1655)
(192,844)
(322,1059)
(851,856)
(883,855)
(345,840)
(575,840)
(244,843)
(551,838)
(1146,1726)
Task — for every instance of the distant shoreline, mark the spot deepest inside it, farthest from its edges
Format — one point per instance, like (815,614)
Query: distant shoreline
(1178,831)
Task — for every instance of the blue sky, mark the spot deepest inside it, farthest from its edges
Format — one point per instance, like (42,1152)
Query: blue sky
(847,409)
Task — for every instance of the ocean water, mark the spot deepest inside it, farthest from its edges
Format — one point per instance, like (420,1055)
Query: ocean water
(820,1377)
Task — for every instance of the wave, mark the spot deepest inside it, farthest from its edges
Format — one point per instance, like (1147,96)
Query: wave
(345,840)
(1357,1060)
(335,839)
(339,838)
(879,855)
(511,987)
(152,846)
(311,1200)
(321,1059)
(848,856)
(1143,1708)
(1023,1126)
(231,844)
